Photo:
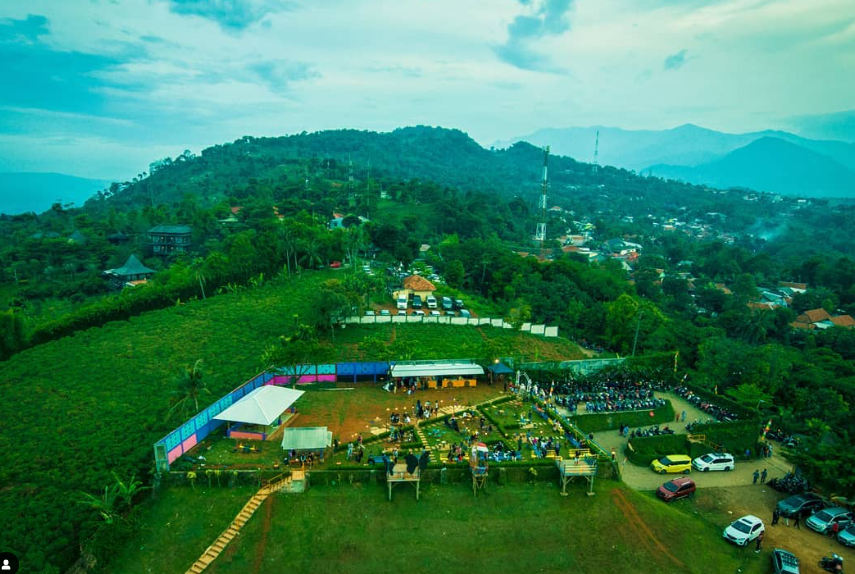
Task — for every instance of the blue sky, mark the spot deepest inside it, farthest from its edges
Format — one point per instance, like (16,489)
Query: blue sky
(102,88)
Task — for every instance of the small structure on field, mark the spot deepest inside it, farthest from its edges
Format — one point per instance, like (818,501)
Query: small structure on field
(258,414)
(479,466)
(431,374)
(304,440)
(409,471)
(582,464)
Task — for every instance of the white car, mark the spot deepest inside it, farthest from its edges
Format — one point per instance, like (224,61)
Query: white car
(744,530)
(431,302)
(434,313)
(714,461)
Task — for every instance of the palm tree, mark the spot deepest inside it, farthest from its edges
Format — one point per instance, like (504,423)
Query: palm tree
(191,384)
(127,490)
(105,504)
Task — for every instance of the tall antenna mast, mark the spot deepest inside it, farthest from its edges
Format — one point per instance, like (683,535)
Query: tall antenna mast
(349,171)
(597,152)
(541,227)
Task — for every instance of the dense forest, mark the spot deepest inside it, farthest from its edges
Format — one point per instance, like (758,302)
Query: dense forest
(260,208)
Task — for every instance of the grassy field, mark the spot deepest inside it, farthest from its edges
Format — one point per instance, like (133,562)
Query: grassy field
(95,402)
(515,528)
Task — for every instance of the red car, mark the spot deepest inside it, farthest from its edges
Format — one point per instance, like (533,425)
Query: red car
(335,264)
(677,488)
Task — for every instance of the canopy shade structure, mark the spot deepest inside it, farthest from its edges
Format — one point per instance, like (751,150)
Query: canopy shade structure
(260,407)
(306,438)
(436,370)
(500,369)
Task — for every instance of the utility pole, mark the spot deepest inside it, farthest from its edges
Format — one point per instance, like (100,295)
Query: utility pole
(597,153)
(541,227)
(637,327)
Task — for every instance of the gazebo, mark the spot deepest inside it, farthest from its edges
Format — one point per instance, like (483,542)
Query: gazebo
(499,372)
(259,414)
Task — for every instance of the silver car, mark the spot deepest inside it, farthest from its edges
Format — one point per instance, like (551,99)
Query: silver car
(823,520)
(847,536)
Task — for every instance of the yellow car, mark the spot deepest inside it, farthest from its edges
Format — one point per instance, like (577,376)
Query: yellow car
(672,463)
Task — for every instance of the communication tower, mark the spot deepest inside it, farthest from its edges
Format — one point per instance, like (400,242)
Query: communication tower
(541,227)
(597,152)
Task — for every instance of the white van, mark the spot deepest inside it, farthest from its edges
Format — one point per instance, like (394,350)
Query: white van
(431,302)
(714,461)
(402,302)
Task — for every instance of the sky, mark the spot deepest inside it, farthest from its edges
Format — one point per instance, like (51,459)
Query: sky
(102,88)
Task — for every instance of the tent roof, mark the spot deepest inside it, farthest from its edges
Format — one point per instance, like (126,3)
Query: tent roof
(132,267)
(500,369)
(306,438)
(436,370)
(260,407)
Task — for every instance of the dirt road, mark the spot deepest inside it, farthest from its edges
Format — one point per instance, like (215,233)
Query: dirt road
(642,478)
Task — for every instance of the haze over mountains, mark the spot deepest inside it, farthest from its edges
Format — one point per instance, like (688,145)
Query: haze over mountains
(769,160)
(24,191)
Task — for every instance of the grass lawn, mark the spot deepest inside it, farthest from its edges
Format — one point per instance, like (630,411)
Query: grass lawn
(515,528)
(178,526)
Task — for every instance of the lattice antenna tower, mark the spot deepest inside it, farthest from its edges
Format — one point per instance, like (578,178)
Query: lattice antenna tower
(597,152)
(541,227)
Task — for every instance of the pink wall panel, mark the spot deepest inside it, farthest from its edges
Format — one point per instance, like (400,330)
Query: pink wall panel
(326,378)
(189,442)
(174,453)
(246,435)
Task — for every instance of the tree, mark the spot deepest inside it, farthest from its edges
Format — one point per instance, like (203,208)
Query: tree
(454,273)
(299,351)
(191,384)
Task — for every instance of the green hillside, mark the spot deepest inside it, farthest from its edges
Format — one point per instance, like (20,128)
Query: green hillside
(101,397)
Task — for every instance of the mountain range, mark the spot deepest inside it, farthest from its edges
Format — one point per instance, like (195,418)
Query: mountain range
(26,191)
(768,160)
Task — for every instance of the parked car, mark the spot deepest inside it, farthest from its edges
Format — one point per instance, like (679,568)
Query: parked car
(446,303)
(402,311)
(465,313)
(385,312)
(678,488)
(714,461)
(800,504)
(335,264)
(434,313)
(419,313)
(784,562)
(458,304)
(369,313)
(431,302)
(417,302)
(823,520)
(401,302)
(847,536)
(673,463)
(744,530)
(451,313)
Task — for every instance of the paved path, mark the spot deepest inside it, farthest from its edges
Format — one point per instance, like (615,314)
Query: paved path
(642,478)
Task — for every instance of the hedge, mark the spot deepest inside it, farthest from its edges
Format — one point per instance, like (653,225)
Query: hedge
(734,437)
(642,451)
(611,421)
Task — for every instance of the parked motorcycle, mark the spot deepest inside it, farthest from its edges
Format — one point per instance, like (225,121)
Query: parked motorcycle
(834,563)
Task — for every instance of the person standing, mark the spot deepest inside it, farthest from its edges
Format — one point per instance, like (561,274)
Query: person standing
(349,450)
(756,475)
(759,542)
(683,415)
(763,477)
(797,521)
(835,528)
(776,514)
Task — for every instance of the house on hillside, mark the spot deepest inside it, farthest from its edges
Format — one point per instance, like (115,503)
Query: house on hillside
(132,273)
(169,239)
(794,287)
(416,285)
(117,238)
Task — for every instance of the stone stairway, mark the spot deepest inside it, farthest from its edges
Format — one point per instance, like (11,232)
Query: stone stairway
(290,484)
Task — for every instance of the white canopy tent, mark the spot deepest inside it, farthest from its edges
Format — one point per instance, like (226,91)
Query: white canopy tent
(437,370)
(261,406)
(306,438)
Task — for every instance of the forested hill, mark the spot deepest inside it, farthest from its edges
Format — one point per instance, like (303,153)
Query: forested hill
(446,157)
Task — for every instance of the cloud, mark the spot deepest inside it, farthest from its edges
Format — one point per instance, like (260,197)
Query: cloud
(278,74)
(549,18)
(229,14)
(675,61)
(23,31)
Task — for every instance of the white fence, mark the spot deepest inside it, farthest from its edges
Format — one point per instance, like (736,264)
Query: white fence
(445,320)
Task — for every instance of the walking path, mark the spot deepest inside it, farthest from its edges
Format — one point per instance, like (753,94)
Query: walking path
(294,483)
(642,478)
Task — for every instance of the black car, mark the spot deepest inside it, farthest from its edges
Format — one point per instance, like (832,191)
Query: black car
(803,504)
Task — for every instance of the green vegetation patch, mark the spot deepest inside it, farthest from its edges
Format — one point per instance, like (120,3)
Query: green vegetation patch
(611,421)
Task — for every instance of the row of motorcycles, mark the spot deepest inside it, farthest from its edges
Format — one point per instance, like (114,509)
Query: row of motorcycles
(624,405)
(790,483)
(652,431)
(718,412)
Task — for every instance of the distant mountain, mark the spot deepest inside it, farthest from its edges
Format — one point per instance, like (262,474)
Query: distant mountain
(836,126)
(21,192)
(770,164)
(687,145)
